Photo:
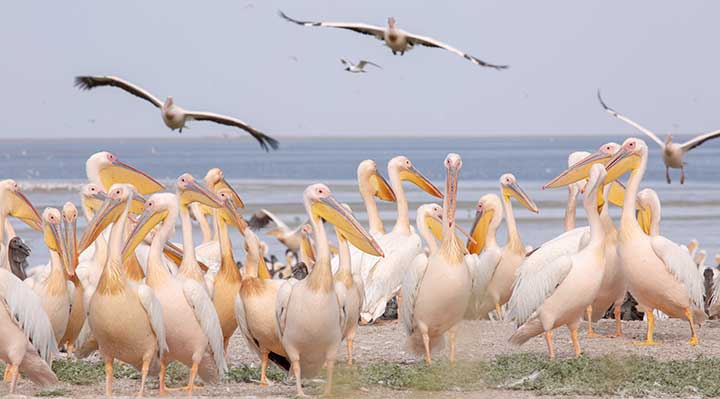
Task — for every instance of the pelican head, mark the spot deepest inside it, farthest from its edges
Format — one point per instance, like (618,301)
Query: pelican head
(391,22)
(157,209)
(509,187)
(408,172)
(580,169)
(106,168)
(321,204)
(215,180)
(628,157)
(70,215)
(169,101)
(229,212)
(109,212)
(453,163)
(648,209)
(52,236)
(92,196)
(14,203)
(486,208)
(367,171)
(189,191)
(432,216)
(668,139)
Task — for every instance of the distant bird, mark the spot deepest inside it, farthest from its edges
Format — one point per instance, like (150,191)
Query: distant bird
(173,116)
(291,238)
(18,252)
(672,153)
(398,40)
(359,67)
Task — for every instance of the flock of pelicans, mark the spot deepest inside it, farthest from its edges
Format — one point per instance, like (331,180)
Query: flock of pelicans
(125,290)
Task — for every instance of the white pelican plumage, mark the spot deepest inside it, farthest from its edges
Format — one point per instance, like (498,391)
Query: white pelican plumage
(398,40)
(660,274)
(174,116)
(311,339)
(558,294)
(673,154)
(359,67)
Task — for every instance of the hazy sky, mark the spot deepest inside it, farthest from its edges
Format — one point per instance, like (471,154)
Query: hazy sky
(656,61)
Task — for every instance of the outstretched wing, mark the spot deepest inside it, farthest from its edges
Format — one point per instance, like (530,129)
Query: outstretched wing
(629,121)
(365,29)
(430,42)
(261,219)
(266,142)
(362,63)
(91,82)
(697,141)
(207,317)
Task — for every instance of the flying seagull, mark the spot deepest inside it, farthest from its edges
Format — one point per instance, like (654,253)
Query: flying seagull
(359,67)
(672,153)
(398,40)
(173,116)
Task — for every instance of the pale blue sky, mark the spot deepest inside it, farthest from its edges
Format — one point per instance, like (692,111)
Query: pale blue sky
(656,61)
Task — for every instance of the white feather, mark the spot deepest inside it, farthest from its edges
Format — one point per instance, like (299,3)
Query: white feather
(207,317)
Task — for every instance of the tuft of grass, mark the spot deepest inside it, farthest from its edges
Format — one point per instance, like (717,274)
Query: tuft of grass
(247,373)
(79,372)
(47,393)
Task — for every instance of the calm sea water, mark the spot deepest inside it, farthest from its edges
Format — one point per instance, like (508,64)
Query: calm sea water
(51,172)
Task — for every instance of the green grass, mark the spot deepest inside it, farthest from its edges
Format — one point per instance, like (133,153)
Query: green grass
(47,393)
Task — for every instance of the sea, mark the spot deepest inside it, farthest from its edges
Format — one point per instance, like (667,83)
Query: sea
(52,171)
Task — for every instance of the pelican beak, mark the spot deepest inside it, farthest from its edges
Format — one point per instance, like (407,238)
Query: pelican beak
(436,227)
(479,230)
(451,188)
(194,192)
(223,184)
(413,175)
(514,190)
(616,196)
(137,205)
(71,245)
(620,163)
(382,188)
(263,272)
(330,209)
(54,242)
(21,208)
(120,172)
(644,218)
(95,201)
(578,171)
(146,222)
(176,255)
(231,215)
(108,213)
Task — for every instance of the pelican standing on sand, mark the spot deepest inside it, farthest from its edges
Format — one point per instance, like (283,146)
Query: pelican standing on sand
(311,338)
(673,154)
(660,274)
(558,294)
(398,40)
(174,116)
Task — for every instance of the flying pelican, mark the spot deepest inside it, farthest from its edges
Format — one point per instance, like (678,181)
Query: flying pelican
(672,153)
(359,67)
(27,341)
(401,245)
(174,116)
(560,293)
(398,40)
(14,203)
(125,317)
(284,234)
(255,309)
(660,274)
(311,338)
(505,261)
(193,332)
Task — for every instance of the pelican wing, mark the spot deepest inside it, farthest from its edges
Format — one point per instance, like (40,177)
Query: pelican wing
(24,306)
(531,289)
(243,325)
(410,286)
(341,295)
(91,82)
(153,308)
(630,121)
(681,265)
(430,42)
(481,268)
(261,219)
(365,29)
(281,306)
(266,142)
(207,317)
(699,140)
(362,63)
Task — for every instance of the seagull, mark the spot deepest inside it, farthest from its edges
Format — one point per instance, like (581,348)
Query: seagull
(173,116)
(672,153)
(398,40)
(359,67)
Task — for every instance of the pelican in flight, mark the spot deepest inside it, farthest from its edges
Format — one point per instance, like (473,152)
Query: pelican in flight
(287,236)
(311,338)
(398,40)
(174,116)
(359,67)
(660,274)
(673,154)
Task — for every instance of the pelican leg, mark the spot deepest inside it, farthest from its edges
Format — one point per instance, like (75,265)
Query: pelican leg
(191,381)
(590,332)
(667,174)
(451,335)
(14,372)
(682,174)
(143,377)
(548,340)
(70,348)
(108,376)
(399,304)
(694,338)
(575,341)
(394,52)
(226,342)
(263,368)
(329,366)
(650,330)
(349,351)
(498,310)
(6,377)
(618,320)
(298,382)
(162,388)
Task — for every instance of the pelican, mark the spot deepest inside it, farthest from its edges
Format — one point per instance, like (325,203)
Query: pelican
(505,261)
(284,234)
(692,247)
(18,252)
(573,191)
(105,169)
(436,289)
(559,294)
(699,259)
(14,203)
(27,341)
(77,308)
(649,211)
(193,332)
(359,67)
(174,116)
(660,274)
(126,317)
(673,154)
(401,245)
(255,309)
(398,40)
(311,338)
